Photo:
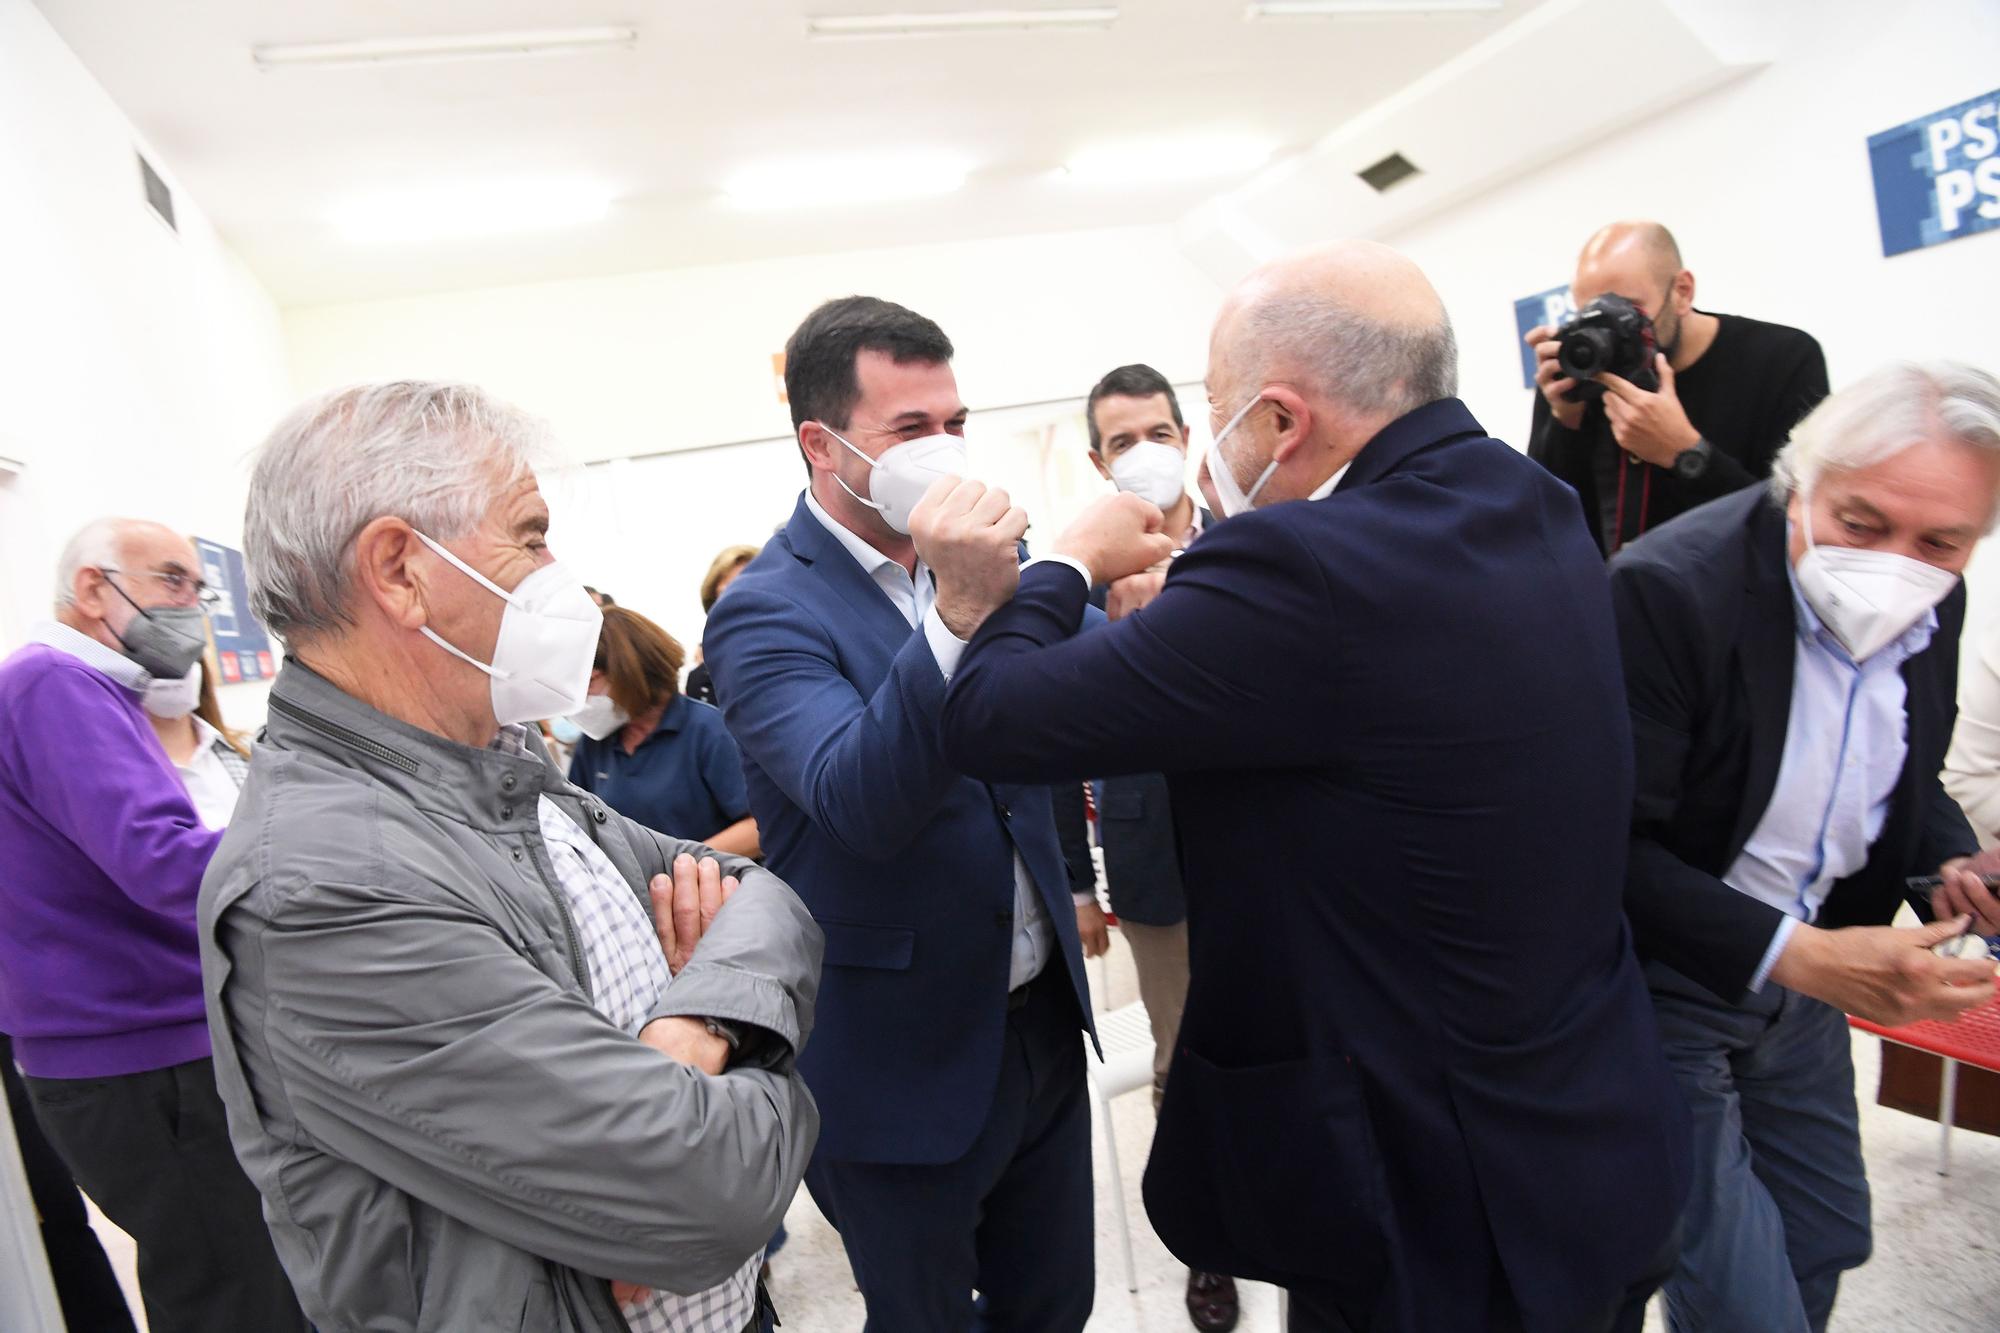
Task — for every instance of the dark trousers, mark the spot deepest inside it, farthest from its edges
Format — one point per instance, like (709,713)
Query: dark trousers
(85,1285)
(1319,1312)
(1780,1202)
(153,1150)
(1012,1218)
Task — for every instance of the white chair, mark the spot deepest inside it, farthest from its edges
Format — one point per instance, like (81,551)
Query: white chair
(1127,1036)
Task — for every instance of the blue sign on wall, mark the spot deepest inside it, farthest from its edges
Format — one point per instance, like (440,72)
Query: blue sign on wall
(242,648)
(1550,307)
(1937,178)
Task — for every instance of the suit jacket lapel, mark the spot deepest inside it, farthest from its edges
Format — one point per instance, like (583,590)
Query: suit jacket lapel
(813,545)
(1766,657)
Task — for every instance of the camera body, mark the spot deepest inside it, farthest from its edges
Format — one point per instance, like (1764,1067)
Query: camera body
(1608,335)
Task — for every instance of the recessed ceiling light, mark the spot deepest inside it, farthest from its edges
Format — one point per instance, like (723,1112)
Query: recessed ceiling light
(1313,9)
(427,50)
(1162,161)
(960,21)
(845,179)
(465,212)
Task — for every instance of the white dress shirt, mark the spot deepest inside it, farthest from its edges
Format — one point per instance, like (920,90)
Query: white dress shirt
(210,784)
(916,598)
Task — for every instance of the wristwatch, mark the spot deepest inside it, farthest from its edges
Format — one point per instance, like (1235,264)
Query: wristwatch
(1691,462)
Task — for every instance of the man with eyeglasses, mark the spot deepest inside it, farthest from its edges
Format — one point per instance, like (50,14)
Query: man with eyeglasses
(101,858)
(1730,391)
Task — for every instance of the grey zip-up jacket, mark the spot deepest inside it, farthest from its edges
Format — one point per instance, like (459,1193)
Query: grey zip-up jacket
(446,1134)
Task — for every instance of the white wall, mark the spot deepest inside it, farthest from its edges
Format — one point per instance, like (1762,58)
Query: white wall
(651,363)
(1766,185)
(140,365)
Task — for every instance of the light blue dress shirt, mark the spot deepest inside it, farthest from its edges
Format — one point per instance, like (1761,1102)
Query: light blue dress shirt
(1845,742)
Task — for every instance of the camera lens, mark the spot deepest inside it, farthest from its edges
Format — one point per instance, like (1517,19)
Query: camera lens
(1584,352)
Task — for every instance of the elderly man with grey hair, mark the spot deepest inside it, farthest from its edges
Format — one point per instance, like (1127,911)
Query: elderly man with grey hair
(480,1080)
(101,856)
(1791,659)
(1417,1080)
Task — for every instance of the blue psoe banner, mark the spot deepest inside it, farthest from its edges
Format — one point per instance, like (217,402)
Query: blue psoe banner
(1937,178)
(242,648)
(1550,307)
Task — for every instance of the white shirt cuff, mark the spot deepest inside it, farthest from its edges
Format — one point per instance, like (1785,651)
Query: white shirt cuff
(946,647)
(1069,560)
(1779,938)
(1085,899)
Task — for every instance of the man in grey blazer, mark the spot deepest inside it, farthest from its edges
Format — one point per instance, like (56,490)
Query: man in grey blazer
(479,1079)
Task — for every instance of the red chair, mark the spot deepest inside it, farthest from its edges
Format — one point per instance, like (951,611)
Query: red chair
(1973,1040)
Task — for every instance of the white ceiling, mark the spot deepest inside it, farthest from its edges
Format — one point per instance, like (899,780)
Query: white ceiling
(711,86)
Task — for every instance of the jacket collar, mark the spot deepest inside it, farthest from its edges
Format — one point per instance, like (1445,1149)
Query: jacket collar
(809,541)
(491,788)
(1433,423)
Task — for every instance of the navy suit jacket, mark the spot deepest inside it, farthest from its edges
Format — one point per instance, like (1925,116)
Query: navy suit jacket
(1417,1046)
(906,863)
(1709,629)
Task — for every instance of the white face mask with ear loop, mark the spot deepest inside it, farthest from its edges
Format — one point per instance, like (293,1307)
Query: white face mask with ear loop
(1152,470)
(1231,496)
(170,697)
(547,644)
(599,717)
(903,473)
(1866,599)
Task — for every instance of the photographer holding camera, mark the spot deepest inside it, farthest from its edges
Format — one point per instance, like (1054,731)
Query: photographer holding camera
(1649,407)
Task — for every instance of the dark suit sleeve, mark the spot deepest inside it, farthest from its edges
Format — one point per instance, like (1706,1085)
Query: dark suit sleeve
(867,771)
(1243,618)
(1073,832)
(1684,917)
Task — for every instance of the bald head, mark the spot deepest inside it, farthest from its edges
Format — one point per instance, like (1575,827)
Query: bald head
(1637,260)
(1351,321)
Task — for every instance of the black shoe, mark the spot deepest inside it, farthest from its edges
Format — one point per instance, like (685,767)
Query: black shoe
(1211,1301)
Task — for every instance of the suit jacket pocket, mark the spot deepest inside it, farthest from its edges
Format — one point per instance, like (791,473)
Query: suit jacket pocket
(1267,1171)
(856,944)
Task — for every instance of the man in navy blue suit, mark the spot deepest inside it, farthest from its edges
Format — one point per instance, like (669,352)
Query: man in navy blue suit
(1418,1080)
(947,1060)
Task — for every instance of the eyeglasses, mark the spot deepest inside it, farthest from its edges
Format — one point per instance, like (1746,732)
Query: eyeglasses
(184,589)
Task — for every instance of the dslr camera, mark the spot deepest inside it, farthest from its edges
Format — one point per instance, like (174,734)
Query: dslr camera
(1610,334)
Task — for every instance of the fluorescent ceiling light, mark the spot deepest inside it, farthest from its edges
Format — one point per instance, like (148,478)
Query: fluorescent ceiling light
(464,212)
(959,21)
(1163,161)
(426,50)
(842,179)
(1313,9)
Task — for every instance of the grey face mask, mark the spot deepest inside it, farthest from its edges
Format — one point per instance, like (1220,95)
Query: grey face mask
(166,640)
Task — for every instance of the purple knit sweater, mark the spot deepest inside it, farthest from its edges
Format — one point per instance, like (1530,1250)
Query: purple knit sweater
(101,856)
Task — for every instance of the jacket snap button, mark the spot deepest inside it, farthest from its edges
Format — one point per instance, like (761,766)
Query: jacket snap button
(1005,813)
(597,813)
(517,853)
(507,782)
(506,812)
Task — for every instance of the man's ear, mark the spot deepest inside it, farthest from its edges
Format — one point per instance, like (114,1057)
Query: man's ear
(89,590)
(1683,291)
(385,558)
(817,444)
(1097,461)
(1291,421)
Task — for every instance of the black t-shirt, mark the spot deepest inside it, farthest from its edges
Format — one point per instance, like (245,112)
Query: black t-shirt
(1744,395)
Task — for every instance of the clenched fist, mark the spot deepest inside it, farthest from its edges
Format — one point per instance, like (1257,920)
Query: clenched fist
(969,533)
(1117,536)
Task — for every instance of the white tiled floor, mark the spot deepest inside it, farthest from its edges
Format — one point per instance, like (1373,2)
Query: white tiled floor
(1937,1240)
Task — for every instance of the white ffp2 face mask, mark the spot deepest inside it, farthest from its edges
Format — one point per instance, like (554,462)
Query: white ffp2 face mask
(599,717)
(1153,471)
(1866,599)
(1223,477)
(173,696)
(547,645)
(903,473)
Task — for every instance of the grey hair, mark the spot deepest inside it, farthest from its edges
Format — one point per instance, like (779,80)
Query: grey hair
(1368,365)
(433,454)
(98,544)
(1881,415)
